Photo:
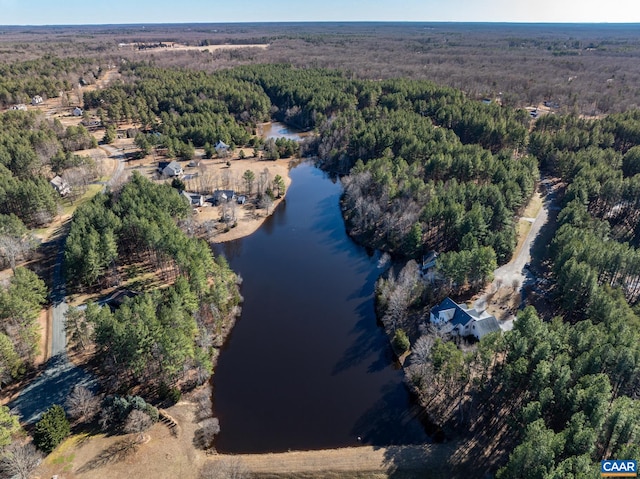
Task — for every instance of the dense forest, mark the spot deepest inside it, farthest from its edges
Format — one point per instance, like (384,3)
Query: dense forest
(159,336)
(32,150)
(48,76)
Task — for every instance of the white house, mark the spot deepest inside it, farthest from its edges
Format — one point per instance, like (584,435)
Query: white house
(36,100)
(194,199)
(173,169)
(458,320)
(222,148)
(77,111)
(61,186)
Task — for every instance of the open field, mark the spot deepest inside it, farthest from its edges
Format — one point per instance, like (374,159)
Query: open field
(205,48)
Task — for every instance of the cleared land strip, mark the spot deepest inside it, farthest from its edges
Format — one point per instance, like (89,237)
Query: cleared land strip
(426,458)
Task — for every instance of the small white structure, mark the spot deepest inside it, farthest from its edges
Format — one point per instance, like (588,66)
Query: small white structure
(242,199)
(19,106)
(172,170)
(458,320)
(77,111)
(61,186)
(222,148)
(36,100)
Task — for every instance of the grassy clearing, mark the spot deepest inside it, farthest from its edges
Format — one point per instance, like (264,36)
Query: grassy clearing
(534,206)
(522,231)
(92,190)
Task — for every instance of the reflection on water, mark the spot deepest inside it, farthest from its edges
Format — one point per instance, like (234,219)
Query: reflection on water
(306,366)
(276,130)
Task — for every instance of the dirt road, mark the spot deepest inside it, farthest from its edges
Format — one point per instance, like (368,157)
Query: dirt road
(514,272)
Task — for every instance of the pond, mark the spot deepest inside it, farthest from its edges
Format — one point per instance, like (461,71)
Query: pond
(307,366)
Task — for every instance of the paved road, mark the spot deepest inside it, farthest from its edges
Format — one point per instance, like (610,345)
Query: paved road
(60,307)
(60,376)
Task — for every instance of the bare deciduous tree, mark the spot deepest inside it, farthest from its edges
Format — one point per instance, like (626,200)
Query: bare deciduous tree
(19,461)
(204,436)
(137,421)
(82,403)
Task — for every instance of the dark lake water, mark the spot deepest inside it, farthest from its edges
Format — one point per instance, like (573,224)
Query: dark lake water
(306,366)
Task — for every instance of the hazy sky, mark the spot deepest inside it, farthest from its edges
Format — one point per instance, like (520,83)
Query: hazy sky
(52,12)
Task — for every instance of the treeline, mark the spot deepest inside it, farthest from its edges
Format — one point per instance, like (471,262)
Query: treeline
(20,305)
(139,224)
(46,76)
(30,148)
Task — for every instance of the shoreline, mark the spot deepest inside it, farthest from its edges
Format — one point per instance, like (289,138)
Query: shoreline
(249,223)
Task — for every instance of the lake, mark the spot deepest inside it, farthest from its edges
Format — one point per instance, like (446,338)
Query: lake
(306,366)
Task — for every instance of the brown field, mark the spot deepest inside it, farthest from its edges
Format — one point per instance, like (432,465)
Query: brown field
(162,455)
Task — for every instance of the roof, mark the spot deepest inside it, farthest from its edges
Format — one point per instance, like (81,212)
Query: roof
(463,315)
(193,198)
(174,167)
(221,144)
(224,194)
(484,326)
(59,183)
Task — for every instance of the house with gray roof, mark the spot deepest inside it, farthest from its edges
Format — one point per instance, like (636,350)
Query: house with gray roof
(459,320)
(194,199)
(173,169)
(62,187)
(220,196)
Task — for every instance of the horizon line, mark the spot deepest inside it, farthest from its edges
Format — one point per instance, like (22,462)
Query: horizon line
(273,22)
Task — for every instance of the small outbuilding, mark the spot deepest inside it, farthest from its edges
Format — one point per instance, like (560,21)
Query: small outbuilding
(77,111)
(36,100)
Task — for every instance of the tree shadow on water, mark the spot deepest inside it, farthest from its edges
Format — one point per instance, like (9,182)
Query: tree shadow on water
(370,344)
(392,420)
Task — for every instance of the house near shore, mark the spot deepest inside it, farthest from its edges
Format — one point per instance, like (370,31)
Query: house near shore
(36,100)
(61,186)
(220,196)
(458,320)
(170,169)
(194,199)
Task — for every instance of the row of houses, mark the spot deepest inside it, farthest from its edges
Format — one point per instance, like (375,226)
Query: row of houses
(218,197)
